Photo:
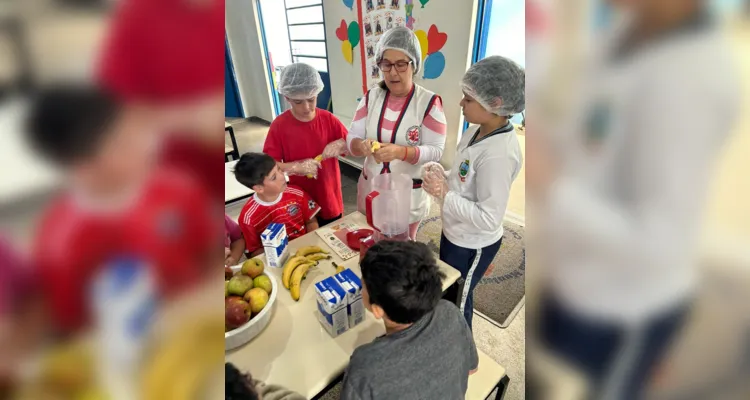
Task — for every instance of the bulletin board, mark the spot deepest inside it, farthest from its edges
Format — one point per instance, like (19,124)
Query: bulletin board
(445,29)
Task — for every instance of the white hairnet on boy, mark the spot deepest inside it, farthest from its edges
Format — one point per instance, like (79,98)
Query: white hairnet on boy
(498,84)
(402,39)
(300,81)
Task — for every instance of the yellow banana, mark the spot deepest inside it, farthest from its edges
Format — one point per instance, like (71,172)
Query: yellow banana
(318,159)
(318,257)
(309,250)
(375,146)
(195,374)
(289,267)
(299,274)
(179,354)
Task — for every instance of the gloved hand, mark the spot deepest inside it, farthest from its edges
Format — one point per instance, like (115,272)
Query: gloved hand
(335,148)
(304,167)
(433,167)
(434,181)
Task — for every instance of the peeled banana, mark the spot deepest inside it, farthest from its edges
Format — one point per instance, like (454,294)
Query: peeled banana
(375,146)
(309,250)
(318,257)
(318,159)
(299,274)
(339,268)
(289,268)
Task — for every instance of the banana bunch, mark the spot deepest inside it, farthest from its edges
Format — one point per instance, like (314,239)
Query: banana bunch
(296,268)
(318,159)
(182,367)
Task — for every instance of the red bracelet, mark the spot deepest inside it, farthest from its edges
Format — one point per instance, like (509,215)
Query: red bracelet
(406,154)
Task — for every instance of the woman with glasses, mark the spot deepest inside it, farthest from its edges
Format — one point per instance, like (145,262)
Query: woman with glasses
(407,120)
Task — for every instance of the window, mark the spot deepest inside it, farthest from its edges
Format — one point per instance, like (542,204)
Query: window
(306,30)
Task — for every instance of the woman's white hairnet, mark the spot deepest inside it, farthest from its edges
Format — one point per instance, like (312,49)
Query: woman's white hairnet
(402,39)
(300,81)
(498,84)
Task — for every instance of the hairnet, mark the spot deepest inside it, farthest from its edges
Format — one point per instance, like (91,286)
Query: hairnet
(402,39)
(498,84)
(300,81)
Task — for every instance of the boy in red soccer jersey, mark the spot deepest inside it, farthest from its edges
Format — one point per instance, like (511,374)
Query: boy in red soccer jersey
(273,201)
(116,204)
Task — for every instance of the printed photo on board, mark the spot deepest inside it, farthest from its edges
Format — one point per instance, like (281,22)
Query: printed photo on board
(378,27)
(388,20)
(395,4)
(368,27)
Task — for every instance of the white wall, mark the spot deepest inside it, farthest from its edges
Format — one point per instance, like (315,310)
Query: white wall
(456,18)
(246,46)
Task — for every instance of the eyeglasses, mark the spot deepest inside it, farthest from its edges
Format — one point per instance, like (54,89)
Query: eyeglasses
(401,66)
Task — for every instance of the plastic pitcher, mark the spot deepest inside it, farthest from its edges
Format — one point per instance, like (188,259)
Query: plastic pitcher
(388,205)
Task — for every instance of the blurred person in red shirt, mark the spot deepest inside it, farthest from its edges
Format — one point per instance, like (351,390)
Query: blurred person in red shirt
(304,132)
(117,203)
(273,201)
(167,55)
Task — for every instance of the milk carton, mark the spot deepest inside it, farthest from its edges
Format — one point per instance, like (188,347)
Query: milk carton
(275,243)
(352,285)
(332,306)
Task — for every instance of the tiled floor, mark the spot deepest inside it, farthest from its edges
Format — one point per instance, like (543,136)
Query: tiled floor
(505,346)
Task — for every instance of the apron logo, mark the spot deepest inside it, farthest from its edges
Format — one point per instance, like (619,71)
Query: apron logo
(463,170)
(292,209)
(412,135)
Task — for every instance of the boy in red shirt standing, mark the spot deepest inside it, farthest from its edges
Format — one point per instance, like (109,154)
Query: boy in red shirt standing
(117,204)
(304,132)
(273,201)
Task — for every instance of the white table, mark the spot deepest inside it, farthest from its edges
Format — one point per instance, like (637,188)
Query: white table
(233,190)
(294,350)
(23,174)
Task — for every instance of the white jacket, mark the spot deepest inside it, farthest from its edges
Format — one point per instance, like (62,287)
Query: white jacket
(622,222)
(479,185)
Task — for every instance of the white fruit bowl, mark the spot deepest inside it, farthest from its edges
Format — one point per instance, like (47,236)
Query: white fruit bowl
(245,333)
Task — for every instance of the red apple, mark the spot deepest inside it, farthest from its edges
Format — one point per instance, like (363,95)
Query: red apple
(236,313)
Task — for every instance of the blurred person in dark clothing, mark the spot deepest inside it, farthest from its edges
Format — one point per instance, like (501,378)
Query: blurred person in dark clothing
(621,200)
(239,386)
(116,203)
(168,56)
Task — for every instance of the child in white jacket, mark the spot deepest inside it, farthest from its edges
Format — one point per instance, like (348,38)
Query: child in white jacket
(488,159)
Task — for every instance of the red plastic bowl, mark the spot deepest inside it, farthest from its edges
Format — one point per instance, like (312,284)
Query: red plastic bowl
(354,237)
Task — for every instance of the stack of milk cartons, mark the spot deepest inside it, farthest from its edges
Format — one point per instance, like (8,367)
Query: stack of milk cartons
(275,244)
(351,283)
(332,306)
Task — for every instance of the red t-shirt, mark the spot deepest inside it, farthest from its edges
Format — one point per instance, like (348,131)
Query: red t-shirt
(293,208)
(290,139)
(169,226)
(165,51)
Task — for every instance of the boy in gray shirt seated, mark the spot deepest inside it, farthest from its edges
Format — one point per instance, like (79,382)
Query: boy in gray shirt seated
(428,351)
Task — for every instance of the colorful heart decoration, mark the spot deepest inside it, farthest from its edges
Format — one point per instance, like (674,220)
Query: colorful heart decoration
(353,33)
(342,32)
(349,4)
(434,65)
(435,39)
